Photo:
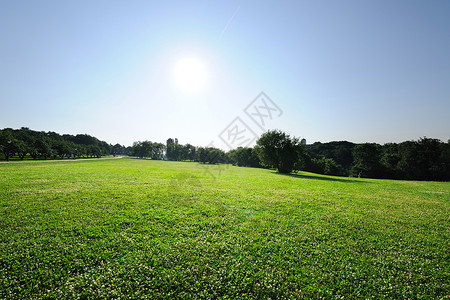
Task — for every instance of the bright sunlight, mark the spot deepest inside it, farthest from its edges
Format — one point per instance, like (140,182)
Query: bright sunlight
(190,74)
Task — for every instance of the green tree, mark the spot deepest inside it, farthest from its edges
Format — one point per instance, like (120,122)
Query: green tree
(170,149)
(190,152)
(278,150)
(323,165)
(390,159)
(423,159)
(22,149)
(43,147)
(157,151)
(210,155)
(243,157)
(367,161)
(8,144)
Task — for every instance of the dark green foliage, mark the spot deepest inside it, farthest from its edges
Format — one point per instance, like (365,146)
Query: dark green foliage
(43,147)
(325,166)
(147,149)
(171,149)
(340,152)
(8,143)
(118,149)
(175,151)
(278,150)
(367,161)
(23,142)
(64,148)
(210,155)
(244,157)
(390,159)
(425,159)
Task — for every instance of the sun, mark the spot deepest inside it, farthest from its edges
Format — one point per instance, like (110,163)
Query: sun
(190,74)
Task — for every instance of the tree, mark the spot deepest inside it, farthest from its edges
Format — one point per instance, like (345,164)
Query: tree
(445,161)
(136,150)
(147,149)
(210,155)
(157,151)
(215,155)
(117,149)
(94,150)
(170,149)
(367,161)
(24,141)
(340,152)
(7,144)
(22,149)
(323,165)
(278,150)
(63,149)
(423,159)
(390,159)
(190,152)
(243,157)
(43,147)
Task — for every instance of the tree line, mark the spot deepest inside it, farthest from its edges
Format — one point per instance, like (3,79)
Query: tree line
(172,150)
(424,159)
(24,142)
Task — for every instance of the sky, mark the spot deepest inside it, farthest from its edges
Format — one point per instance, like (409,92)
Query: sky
(221,73)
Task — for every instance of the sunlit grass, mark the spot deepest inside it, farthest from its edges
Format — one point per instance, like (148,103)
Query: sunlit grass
(157,229)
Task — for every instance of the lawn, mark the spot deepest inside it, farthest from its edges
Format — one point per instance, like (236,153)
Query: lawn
(134,228)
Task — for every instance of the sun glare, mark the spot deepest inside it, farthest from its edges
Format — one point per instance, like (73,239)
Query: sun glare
(190,74)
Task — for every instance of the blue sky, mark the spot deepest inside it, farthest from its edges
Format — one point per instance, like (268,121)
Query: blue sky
(362,71)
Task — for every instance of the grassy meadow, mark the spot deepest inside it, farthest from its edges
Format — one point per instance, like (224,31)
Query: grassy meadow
(132,228)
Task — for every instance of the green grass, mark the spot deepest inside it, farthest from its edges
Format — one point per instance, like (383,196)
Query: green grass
(133,228)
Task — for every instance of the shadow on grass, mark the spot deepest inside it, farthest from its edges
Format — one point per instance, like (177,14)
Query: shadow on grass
(319,177)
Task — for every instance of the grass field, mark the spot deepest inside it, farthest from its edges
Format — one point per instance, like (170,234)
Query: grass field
(133,228)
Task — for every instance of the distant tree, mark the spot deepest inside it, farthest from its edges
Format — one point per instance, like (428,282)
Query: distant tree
(170,149)
(147,149)
(429,160)
(243,157)
(137,150)
(178,152)
(390,158)
(215,155)
(117,149)
(323,165)
(157,151)
(422,159)
(43,147)
(190,152)
(8,143)
(24,141)
(22,149)
(445,161)
(94,151)
(201,155)
(367,161)
(340,152)
(277,149)
(210,155)
(34,152)
(62,149)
